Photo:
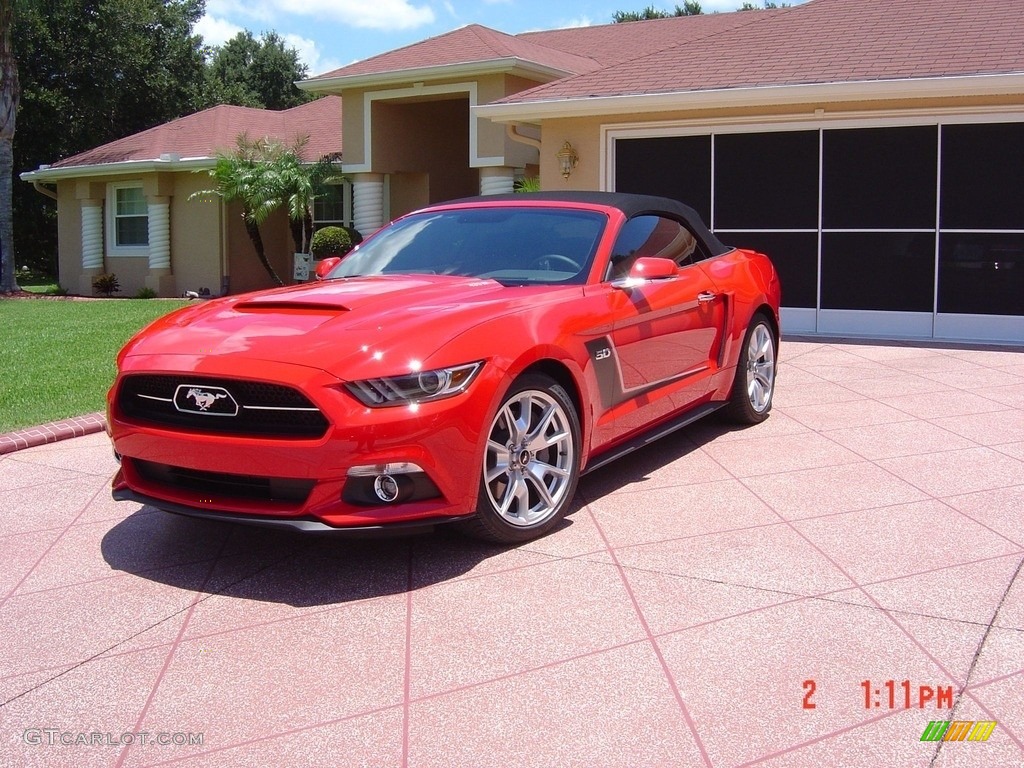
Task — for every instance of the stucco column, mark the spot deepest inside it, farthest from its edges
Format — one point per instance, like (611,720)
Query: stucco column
(367,202)
(497,180)
(92,244)
(160,278)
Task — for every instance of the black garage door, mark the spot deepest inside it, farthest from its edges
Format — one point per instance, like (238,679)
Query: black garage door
(909,219)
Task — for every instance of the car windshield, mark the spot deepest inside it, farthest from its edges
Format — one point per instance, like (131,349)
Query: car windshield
(515,246)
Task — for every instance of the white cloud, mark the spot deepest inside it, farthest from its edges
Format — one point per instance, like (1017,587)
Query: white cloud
(580,21)
(385,15)
(260,10)
(215,31)
(310,55)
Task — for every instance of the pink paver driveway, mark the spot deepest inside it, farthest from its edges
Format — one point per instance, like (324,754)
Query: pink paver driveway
(718,599)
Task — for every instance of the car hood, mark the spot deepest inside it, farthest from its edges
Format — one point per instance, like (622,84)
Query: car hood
(356,327)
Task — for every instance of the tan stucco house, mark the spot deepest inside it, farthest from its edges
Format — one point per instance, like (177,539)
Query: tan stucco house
(125,207)
(871,147)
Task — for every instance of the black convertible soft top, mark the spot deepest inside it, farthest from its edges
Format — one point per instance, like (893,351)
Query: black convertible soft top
(630,205)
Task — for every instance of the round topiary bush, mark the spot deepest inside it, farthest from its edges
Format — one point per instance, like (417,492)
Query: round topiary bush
(330,241)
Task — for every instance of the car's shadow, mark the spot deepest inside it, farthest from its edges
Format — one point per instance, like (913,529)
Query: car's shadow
(633,470)
(279,566)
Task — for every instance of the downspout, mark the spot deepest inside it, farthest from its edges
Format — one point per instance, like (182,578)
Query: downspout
(512,132)
(46,191)
(225,257)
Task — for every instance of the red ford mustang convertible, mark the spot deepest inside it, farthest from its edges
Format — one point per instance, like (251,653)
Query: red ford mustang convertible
(465,364)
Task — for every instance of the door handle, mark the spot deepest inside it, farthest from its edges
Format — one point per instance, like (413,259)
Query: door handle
(705,296)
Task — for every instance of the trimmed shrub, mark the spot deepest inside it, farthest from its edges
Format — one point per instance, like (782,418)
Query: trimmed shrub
(145,293)
(330,241)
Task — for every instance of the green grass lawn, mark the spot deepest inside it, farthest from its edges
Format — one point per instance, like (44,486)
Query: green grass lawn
(57,357)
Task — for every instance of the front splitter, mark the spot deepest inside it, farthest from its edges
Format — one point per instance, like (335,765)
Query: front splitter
(301,524)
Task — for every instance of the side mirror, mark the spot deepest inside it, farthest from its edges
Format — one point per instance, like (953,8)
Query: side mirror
(652,268)
(326,265)
(648,268)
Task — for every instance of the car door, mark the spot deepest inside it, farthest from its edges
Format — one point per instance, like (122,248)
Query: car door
(666,333)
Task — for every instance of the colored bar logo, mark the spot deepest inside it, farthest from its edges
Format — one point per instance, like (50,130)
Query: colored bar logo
(958,730)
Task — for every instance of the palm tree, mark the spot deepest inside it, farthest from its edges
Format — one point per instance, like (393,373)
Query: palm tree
(9,96)
(302,183)
(264,175)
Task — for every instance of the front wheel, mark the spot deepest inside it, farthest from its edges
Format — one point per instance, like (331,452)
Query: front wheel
(754,385)
(531,463)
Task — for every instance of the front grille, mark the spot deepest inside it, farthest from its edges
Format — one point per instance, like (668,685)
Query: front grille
(284,490)
(232,406)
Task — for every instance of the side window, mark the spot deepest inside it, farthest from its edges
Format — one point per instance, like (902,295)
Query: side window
(652,236)
(127,220)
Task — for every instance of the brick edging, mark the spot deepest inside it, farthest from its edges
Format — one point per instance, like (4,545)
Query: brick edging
(30,437)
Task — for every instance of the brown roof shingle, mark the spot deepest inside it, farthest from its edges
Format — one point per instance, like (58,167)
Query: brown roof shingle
(615,43)
(472,43)
(823,41)
(212,130)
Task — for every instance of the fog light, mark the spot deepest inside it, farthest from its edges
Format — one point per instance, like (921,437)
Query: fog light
(396,482)
(386,488)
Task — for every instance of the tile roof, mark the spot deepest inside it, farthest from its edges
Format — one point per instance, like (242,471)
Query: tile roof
(615,43)
(823,41)
(205,133)
(469,44)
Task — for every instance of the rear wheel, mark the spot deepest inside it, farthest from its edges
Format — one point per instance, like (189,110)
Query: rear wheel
(530,463)
(754,385)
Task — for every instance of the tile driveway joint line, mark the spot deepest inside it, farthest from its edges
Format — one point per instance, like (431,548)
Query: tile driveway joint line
(66,528)
(792,598)
(196,600)
(946,501)
(974,663)
(105,653)
(407,676)
(279,735)
(821,738)
(885,611)
(913,639)
(54,431)
(674,687)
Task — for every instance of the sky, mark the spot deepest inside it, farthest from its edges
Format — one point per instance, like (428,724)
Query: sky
(329,34)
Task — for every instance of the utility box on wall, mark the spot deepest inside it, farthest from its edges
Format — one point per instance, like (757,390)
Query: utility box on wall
(301,268)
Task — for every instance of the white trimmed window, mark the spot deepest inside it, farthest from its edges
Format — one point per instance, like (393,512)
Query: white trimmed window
(127,220)
(333,206)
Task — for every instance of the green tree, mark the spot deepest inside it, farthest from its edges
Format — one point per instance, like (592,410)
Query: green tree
(688,8)
(768,5)
(264,175)
(93,71)
(10,93)
(256,73)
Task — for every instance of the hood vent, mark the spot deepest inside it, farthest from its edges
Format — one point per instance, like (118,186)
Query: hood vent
(284,305)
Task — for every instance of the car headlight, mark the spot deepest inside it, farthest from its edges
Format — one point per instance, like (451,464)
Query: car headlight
(419,387)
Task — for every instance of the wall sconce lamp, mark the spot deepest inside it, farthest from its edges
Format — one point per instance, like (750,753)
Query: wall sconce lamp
(567,159)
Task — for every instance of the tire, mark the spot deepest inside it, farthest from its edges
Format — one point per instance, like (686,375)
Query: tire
(754,385)
(530,463)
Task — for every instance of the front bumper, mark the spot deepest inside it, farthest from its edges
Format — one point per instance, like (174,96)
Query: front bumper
(236,477)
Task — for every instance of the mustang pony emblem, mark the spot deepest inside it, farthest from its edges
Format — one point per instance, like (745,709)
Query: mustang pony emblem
(205,399)
(209,400)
